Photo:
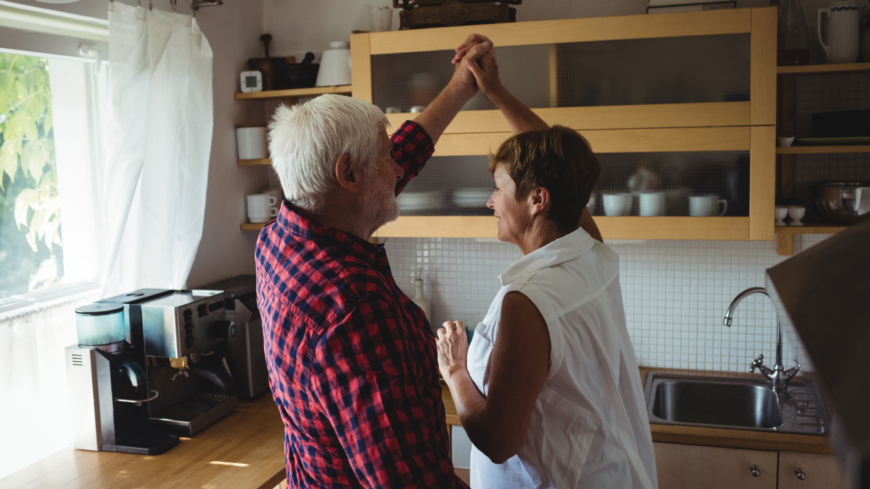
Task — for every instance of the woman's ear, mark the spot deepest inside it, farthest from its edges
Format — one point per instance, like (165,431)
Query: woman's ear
(347,173)
(539,200)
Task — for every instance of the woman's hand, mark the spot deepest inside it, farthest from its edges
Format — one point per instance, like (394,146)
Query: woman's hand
(452,348)
(469,43)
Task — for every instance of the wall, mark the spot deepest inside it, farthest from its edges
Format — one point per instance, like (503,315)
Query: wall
(298,26)
(233,30)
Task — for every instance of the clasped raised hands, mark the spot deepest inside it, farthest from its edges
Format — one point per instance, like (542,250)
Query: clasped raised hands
(476,66)
(477,55)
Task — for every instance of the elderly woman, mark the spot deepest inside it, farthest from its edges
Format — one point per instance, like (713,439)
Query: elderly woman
(549,390)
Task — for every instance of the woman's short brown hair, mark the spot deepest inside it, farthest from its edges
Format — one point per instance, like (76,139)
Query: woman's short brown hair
(558,159)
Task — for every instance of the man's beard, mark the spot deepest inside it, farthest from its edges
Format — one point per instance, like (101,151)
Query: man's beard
(379,201)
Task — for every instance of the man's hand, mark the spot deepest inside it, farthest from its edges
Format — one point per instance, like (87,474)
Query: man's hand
(485,71)
(452,348)
(463,79)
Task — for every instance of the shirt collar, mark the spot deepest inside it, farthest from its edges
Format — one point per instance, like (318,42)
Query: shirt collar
(312,230)
(559,251)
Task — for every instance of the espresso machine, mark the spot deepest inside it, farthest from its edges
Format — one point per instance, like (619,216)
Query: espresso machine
(177,340)
(108,386)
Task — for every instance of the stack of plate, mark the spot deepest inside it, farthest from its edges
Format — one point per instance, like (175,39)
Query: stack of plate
(471,197)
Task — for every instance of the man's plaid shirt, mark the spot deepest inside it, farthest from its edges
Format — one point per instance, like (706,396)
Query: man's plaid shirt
(352,361)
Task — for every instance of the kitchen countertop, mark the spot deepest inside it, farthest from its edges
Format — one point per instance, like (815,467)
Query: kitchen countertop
(248,443)
(717,437)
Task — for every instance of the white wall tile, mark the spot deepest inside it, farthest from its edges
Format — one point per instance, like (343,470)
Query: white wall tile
(675,293)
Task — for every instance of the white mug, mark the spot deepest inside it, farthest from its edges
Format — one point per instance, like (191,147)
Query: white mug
(844,18)
(707,205)
(652,204)
(260,208)
(252,143)
(618,204)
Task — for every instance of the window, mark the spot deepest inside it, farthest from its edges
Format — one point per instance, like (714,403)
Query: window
(50,145)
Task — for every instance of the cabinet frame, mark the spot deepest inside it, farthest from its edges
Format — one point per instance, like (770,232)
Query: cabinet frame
(714,126)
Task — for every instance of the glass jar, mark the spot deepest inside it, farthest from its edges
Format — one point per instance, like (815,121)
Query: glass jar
(793,43)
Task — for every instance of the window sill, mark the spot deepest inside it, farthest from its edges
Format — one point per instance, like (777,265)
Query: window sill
(19,305)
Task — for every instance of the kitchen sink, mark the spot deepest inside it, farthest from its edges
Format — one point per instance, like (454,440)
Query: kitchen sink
(722,403)
(736,403)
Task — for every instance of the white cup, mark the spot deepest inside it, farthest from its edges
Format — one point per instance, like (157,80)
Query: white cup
(707,205)
(277,194)
(261,208)
(652,204)
(780,212)
(618,204)
(380,19)
(796,213)
(785,142)
(252,143)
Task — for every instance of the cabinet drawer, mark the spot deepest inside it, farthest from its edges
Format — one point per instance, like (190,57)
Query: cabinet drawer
(691,467)
(820,471)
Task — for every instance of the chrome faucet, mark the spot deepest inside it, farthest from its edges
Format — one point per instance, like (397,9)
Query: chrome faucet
(777,376)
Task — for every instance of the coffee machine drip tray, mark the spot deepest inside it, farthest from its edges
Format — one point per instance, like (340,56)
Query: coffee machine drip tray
(189,416)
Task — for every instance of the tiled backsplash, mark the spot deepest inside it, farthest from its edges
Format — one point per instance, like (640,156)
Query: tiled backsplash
(675,292)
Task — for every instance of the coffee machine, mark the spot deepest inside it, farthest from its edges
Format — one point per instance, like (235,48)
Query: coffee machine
(184,333)
(246,347)
(108,386)
(177,367)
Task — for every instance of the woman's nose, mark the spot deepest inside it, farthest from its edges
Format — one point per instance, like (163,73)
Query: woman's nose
(490,204)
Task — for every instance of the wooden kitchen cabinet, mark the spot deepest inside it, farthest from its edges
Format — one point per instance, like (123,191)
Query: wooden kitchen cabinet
(820,471)
(620,106)
(692,467)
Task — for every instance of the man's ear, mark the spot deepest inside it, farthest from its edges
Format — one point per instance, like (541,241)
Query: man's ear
(539,199)
(347,173)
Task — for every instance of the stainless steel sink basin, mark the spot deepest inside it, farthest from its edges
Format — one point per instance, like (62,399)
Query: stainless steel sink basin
(723,402)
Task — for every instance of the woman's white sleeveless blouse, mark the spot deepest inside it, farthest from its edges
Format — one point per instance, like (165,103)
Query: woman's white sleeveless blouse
(589,428)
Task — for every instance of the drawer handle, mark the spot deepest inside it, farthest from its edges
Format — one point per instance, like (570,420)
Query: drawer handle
(755,471)
(799,472)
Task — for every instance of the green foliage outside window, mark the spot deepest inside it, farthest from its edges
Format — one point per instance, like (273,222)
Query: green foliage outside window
(31,249)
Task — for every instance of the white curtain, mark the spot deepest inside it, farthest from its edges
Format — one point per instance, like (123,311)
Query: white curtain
(160,117)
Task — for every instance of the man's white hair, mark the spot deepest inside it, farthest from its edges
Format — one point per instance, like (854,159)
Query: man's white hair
(305,142)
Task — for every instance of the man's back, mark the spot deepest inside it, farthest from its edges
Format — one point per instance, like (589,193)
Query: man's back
(351,362)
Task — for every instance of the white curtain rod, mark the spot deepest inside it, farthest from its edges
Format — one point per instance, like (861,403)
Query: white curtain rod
(19,16)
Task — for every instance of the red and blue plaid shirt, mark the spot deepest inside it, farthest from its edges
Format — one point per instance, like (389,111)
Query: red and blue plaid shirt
(352,361)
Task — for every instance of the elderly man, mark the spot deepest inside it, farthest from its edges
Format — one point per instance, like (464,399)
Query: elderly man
(352,361)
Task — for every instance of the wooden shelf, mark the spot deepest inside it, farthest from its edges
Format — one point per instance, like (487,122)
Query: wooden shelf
(262,161)
(652,116)
(249,226)
(298,92)
(810,228)
(628,227)
(802,150)
(832,68)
